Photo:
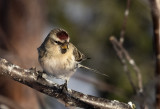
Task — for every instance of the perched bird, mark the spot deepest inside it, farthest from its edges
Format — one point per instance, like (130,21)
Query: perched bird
(59,57)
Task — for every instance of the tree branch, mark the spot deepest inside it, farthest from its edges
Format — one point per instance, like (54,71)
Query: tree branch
(33,79)
(155,11)
(120,55)
(123,30)
(123,56)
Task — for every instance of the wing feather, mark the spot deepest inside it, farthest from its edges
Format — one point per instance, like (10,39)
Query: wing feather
(78,55)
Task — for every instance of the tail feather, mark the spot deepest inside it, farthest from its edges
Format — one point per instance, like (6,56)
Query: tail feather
(90,69)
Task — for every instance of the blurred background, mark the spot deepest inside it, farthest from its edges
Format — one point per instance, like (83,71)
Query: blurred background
(25,23)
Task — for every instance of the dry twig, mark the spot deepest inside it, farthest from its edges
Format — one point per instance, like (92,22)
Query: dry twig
(123,61)
(126,13)
(124,55)
(125,58)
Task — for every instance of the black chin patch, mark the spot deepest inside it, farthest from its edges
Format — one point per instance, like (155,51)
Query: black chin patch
(63,51)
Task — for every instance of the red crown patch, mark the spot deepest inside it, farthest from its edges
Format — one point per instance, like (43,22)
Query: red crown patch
(62,35)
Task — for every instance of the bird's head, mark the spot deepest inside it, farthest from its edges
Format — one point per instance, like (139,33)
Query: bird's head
(60,37)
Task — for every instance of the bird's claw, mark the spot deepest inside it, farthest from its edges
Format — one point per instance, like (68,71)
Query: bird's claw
(64,87)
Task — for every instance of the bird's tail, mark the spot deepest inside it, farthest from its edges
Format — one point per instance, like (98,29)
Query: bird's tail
(90,69)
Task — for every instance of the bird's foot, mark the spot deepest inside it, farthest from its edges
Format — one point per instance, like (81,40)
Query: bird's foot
(41,75)
(64,87)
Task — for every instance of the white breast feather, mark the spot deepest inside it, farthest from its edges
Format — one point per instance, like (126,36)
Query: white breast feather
(62,65)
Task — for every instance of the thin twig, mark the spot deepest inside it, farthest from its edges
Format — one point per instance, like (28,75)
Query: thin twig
(126,13)
(126,56)
(70,97)
(123,61)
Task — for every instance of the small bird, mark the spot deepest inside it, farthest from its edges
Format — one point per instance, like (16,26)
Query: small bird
(58,57)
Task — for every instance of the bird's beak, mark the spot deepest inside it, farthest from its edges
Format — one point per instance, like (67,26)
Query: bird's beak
(64,46)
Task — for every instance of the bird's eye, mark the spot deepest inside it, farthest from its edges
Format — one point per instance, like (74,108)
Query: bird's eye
(59,43)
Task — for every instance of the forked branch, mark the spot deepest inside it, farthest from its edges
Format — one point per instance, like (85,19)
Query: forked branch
(124,56)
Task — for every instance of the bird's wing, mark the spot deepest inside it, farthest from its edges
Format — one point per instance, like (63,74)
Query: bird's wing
(41,52)
(78,55)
